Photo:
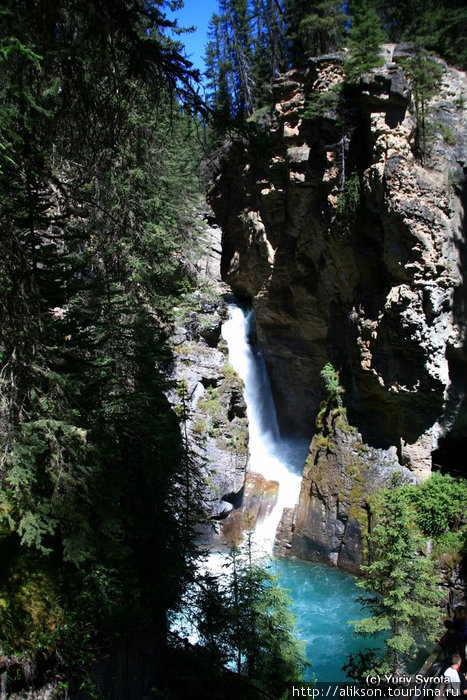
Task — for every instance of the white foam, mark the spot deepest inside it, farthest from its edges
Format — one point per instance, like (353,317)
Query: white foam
(270,455)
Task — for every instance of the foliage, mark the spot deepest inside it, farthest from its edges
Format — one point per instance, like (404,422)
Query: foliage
(440,503)
(445,131)
(444,27)
(424,75)
(245,618)
(450,547)
(402,580)
(252,41)
(98,193)
(361,664)
(402,577)
(364,39)
(313,28)
(349,198)
(321,28)
(330,377)
(440,25)
(319,104)
(244,53)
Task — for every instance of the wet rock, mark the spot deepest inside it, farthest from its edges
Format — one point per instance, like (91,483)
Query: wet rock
(284,533)
(258,499)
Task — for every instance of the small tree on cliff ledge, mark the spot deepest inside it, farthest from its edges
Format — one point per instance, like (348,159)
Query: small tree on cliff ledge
(364,40)
(424,75)
(330,377)
(404,599)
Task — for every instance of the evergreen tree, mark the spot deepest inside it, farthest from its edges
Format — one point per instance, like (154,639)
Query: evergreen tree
(364,39)
(445,28)
(294,13)
(229,59)
(245,616)
(400,19)
(314,28)
(98,192)
(246,49)
(424,75)
(440,504)
(322,30)
(403,581)
(437,26)
(218,71)
(269,48)
(239,18)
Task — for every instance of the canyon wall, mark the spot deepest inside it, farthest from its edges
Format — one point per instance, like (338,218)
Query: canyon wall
(377,285)
(347,235)
(332,519)
(208,395)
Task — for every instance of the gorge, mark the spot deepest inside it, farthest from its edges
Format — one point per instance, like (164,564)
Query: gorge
(232,317)
(324,601)
(379,292)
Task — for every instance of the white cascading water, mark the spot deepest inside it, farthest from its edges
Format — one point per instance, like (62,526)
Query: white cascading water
(276,458)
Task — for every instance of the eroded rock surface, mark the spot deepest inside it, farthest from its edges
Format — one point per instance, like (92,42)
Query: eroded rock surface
(330,522)
(209,393)
(377,287)
(258,498)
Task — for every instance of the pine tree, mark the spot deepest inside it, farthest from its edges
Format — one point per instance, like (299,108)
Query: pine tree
(246,50)
(239,18)
(322,30)
(98,193)
(437,26)
(269,48)
(245,615)
(229,60)
(314,28)
(424,75)
(402,579)
(364,39)
(218,70)
(401,20)
(444,28)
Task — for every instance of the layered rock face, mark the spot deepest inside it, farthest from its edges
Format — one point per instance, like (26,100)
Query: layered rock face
(208,396)
(331,522)
(353,252)
(208,392)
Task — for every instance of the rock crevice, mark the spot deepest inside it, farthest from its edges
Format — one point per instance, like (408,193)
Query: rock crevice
(371,279)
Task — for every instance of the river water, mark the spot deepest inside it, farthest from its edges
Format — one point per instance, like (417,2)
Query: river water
(324,599)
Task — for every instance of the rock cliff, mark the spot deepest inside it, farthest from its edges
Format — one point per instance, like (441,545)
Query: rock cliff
(331,522)
(207,391)
(348,238)
(352,251)
(208,396)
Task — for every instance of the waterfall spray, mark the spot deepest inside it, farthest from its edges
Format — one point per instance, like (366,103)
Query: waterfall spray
(276,458)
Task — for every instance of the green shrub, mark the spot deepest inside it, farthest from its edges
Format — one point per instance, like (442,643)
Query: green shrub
(440,503)
(319,104)
(451,546)
(330,377)
(349,197)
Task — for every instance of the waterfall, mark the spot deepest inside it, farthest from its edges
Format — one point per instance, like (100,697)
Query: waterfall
(276,458)
(323,598)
